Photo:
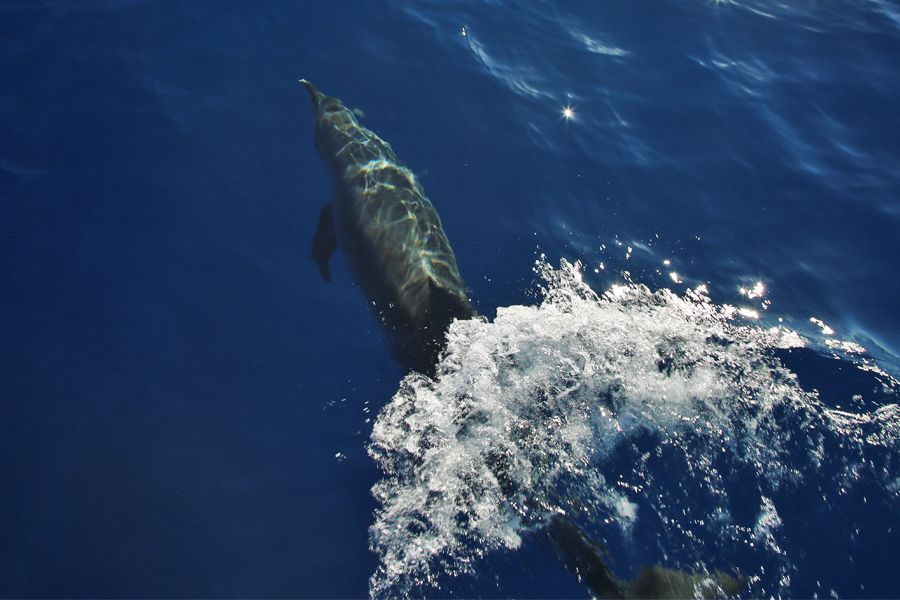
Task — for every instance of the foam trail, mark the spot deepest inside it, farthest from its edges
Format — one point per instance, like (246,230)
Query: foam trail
(586,403)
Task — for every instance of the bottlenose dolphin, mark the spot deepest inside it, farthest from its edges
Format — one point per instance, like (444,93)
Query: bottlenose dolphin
(391,234)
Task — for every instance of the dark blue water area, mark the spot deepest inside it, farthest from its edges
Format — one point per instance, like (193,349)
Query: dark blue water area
(185,404)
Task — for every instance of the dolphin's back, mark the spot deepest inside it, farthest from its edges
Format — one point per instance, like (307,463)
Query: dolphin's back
(394,217)
(391,234)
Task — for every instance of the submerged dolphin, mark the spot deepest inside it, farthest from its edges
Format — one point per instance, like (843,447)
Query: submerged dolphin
(392,235)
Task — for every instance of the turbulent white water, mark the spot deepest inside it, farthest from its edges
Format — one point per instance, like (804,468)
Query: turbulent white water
(634,412)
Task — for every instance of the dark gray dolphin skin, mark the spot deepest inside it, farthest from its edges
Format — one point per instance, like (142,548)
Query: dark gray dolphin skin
(391,234)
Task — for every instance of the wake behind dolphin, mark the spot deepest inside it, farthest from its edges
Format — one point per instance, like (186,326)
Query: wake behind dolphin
(391,233)
(663,425)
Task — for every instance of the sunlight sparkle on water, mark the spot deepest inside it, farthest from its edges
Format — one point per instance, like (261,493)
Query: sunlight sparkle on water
(568,113)
(825,328)
(757,291)
(748,313)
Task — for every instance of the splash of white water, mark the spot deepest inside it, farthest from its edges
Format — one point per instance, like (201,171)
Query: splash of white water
(528,411)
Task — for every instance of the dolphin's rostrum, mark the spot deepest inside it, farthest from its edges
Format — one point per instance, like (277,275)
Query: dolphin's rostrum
(391,233)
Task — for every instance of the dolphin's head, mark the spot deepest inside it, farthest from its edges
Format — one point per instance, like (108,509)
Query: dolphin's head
(332,119)
(322,103)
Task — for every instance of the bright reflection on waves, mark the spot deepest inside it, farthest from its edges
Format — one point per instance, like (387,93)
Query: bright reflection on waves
(630,410)
(597,47)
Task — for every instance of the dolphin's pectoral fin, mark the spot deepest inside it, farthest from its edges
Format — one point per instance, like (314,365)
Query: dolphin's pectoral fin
(324,242)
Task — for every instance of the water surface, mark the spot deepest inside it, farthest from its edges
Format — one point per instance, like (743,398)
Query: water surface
(186,408)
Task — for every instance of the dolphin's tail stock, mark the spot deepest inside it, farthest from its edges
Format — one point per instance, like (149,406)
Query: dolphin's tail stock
(586,559)
(418,346)
(583,557)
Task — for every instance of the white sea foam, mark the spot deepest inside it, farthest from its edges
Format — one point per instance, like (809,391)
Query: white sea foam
(528,411)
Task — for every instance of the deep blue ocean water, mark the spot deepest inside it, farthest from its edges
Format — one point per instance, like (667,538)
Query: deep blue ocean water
(185,406)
